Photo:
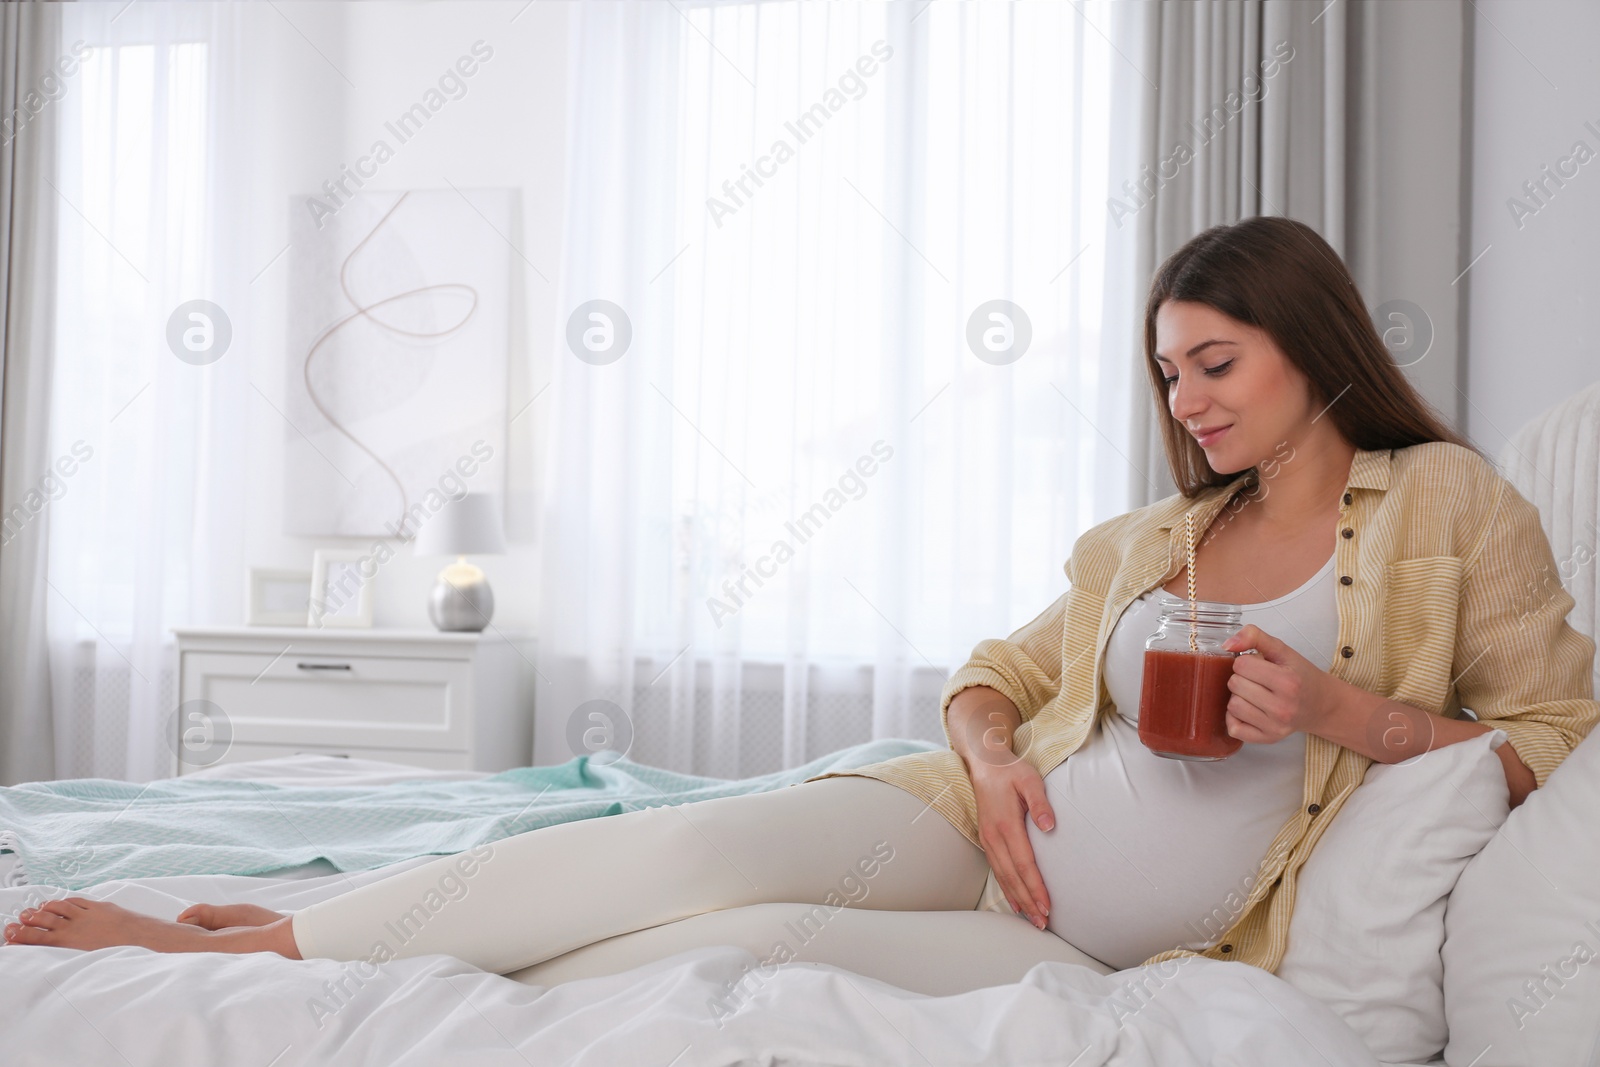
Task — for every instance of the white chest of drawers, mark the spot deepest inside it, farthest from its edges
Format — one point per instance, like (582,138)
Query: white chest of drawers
(446,701)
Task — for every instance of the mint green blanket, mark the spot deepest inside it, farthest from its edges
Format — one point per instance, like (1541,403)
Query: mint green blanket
(78,833)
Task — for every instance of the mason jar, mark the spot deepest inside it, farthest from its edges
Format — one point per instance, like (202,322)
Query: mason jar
(1183,701)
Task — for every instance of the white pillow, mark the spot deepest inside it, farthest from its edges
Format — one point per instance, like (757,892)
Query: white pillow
(1370,900)
(1527,910)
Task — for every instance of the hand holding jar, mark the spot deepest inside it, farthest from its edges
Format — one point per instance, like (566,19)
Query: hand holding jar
(1276,692)
(1210,685)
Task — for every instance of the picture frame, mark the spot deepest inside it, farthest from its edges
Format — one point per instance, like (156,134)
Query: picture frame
(341,595)
(277,597)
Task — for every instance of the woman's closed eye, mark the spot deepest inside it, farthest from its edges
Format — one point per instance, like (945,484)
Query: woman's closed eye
(1214,372)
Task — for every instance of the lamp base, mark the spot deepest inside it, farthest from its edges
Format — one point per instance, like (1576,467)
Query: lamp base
(461,601)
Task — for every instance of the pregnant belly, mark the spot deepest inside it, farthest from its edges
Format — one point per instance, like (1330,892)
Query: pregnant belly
(1150,854)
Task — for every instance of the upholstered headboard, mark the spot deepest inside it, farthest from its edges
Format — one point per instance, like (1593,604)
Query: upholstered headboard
(1554,461)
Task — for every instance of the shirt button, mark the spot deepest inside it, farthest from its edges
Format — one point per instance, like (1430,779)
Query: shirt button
(1347,532)
(1347,652)
(1314,808)
(1345,579)
(1347,498)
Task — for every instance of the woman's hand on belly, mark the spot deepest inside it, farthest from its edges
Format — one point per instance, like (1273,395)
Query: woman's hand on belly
(1276,693)
(1007,794)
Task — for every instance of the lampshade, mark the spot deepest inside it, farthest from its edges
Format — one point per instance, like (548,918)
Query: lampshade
(470,526)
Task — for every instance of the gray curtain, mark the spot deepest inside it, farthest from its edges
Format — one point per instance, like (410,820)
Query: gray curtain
(30,48)
(1352,117)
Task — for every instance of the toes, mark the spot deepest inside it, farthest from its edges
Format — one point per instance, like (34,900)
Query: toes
(41,918)
(67,908)
(27,935)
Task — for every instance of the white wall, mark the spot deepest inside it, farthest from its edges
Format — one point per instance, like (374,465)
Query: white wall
(508,130)
(1532,337)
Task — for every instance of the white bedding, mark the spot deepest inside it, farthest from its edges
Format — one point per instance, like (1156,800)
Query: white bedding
(206,1010)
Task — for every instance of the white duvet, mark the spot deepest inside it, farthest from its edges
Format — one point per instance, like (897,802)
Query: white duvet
(131,1006)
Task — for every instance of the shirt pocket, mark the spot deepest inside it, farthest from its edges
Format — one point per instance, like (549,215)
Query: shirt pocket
(1422,613)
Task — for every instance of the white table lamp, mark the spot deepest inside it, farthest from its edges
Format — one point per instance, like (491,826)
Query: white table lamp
(470,526)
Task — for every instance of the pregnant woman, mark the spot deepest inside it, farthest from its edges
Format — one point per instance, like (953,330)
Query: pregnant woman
(1389,577)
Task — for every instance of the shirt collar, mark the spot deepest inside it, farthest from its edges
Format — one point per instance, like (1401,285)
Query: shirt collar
(1370,470)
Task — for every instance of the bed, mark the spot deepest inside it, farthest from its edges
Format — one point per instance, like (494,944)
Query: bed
(132,1006)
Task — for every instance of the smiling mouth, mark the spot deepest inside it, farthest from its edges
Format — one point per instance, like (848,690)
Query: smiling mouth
(1205,439)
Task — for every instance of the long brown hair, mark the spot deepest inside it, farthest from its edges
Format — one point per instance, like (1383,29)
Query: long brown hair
(1279,275)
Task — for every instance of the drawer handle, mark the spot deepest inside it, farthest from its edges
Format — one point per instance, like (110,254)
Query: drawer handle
(323,666)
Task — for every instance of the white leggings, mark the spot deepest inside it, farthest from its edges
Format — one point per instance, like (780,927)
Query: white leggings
(851,872)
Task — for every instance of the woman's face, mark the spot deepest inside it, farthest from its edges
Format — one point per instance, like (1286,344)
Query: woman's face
(1225,375)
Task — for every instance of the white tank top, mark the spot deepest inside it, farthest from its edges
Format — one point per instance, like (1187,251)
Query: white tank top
(1149,853)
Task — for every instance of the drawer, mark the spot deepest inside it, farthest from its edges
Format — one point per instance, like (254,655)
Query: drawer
(241,752)
(336,702)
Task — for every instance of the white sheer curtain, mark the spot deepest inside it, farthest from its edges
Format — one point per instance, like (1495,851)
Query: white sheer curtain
(801,211)
(148,529)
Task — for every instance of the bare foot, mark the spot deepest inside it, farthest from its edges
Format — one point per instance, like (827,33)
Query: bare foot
(76,922)
(223,916)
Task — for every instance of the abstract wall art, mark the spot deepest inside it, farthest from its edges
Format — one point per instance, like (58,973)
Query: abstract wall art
(395,370)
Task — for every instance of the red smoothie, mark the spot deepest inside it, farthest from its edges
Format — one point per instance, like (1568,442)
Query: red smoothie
(1183,705)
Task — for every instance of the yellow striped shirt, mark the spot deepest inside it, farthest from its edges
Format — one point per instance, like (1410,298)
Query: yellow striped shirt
(1454,601)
